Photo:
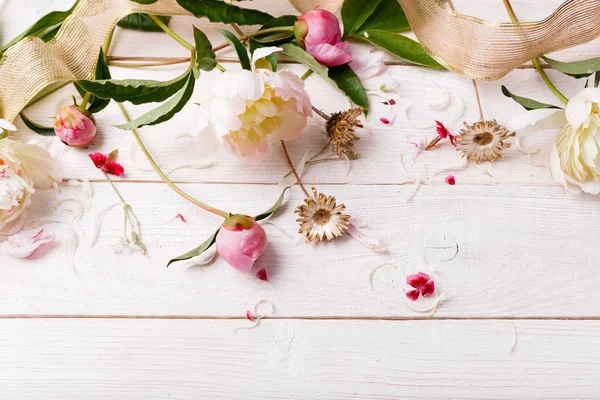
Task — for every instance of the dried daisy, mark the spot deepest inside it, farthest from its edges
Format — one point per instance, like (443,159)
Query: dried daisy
(483,140)
(321,217)
(340,129)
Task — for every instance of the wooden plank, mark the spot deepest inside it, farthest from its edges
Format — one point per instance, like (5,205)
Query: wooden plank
(380,151)
(295,359)
(494,252)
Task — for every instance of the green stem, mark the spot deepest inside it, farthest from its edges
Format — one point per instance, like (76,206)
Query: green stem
(170,32)
(108,41)
(268,30)
(535,61)
(306,74)
(220,67)
(86,100)
(165,178)
(115,188)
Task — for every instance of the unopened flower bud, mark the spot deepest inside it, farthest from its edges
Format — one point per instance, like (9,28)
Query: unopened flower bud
(75,126)
(241,241)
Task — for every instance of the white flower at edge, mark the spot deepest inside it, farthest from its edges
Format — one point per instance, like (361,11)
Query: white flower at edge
(22,167)
(575,155)
(242,108)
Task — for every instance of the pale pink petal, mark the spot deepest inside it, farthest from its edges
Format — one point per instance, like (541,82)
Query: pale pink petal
(25,243)
(293,123)
(368,65)
(330,55)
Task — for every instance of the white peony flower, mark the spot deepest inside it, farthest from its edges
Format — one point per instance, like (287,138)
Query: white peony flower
(22,167)
(575,159)
(242,108)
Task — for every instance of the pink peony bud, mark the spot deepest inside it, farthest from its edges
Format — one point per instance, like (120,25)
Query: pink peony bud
(241,241)
(318,31)
(74,126)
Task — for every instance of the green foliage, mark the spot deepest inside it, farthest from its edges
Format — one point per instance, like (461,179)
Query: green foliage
(142,22)
(527,104)
(350,84)
(401,46)
(166,110)
(278,37)
(361,15)
(219,11)
(241,51)
(197,251)
(300,55)
(273,208)
(42,27)
(576,69)
(206,58)
(97,104)
(39,129)
(136,91)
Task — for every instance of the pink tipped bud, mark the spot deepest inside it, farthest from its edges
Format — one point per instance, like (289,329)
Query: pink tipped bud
(318,31)
(74,126)
(241,241)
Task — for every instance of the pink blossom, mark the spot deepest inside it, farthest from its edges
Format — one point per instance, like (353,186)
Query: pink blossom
(75,126)
(423,285)
(241,241)
(24,244)
(318,31)
(444,133)
(107,163)
(450,180)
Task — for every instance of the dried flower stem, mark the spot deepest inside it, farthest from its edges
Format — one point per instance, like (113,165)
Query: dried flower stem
(320,113)
(535,61)
(164,177)
(289,160)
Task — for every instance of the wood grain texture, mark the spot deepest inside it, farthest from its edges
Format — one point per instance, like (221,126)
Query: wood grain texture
(520,251)
(175,359)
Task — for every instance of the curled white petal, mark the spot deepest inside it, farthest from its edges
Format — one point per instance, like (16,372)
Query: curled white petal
(445,98)
(97,223)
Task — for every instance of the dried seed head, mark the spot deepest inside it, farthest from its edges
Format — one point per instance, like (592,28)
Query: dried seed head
(340,129)
(483,140)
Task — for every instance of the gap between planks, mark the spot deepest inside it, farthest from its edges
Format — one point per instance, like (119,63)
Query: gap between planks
(308,318)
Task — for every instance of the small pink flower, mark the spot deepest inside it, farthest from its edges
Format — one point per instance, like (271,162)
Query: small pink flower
(262,274)
(241,241)
(450,180)
(444,133)
(385,121)
(423,285)
(318,31)
(24,244)
(107,163)
(75,126)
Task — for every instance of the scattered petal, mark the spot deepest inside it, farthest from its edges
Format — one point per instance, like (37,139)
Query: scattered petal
(97,223)
(262,274)
(450,180)
(107,162)
(249,316)
(25,243)
(385,121)
(422,283)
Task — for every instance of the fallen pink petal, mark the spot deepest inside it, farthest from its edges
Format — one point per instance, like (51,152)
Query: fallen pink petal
(182,218)
(250,316)
(422,283)
(390,102)
(450,180)
(385,121)
(25,243)
(262,274)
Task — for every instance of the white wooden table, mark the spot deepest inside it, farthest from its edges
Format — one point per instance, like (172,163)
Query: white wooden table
(520,316)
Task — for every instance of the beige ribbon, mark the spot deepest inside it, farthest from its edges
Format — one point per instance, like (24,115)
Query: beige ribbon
(470,46)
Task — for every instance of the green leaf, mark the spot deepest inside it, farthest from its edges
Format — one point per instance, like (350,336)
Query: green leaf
(241,51)
(361,15)
(298,54)
(219,11)
(41,27)
(597,79)
(576,69)
(142,22)
(166,110)
(350,84)
(97,104)
(136,91)
(49,35)
(527,104)
(278,37)
(206,58)
(197,251)
(274,208)
(400,46)
(39,129)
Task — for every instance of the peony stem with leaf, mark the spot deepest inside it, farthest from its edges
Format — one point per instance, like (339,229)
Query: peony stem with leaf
(165,178)
(535,61)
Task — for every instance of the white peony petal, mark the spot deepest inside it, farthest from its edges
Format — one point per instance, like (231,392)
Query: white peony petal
(24,244)
(368,65)
(263,52)
(580,106)
(542,119)
(6,125)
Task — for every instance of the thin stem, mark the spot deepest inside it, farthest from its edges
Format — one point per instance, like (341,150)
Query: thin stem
(306,74)
(165,178)
(320,113)
(237,29)
(289,160)
(535,61)
(478,100)
(146,64)
(108,41)
(170,32)
(220,67)
(86,100)
(115,188)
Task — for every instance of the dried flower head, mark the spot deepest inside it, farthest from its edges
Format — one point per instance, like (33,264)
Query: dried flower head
(340,128)
(321,217)
(483,140)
